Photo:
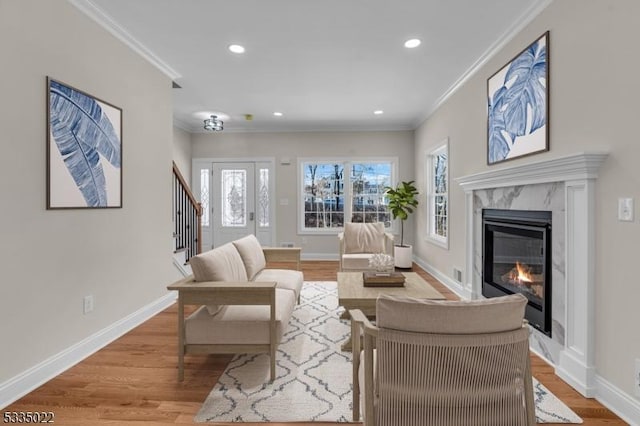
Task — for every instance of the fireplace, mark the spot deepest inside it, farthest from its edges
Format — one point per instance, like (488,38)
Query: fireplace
(517,259)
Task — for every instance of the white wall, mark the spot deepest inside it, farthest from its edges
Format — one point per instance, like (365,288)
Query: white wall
(51,259)
(311,144)
(182,152)
(594,105)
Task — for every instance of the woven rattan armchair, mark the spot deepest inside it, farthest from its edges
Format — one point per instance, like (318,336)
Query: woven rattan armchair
(443,363)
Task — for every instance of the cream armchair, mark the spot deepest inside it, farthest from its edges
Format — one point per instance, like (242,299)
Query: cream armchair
(359,242)
(443,363)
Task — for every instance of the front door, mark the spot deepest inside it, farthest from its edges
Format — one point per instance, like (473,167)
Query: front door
(233,212)
(236,200)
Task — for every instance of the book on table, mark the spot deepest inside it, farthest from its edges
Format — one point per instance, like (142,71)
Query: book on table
(382,279)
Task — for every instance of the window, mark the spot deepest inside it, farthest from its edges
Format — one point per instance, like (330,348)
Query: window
(233,202)
(368,203)
(438,195)
(333,192)
(204,195)
(263,198)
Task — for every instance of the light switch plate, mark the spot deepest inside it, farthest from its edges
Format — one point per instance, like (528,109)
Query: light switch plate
(625,209)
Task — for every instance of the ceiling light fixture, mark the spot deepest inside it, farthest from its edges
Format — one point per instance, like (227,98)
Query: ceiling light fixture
(213,124)
(378,112)
(236,48)
(277,114)
(414,42)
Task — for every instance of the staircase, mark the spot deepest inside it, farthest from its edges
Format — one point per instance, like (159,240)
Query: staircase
(180,258)
(187,221)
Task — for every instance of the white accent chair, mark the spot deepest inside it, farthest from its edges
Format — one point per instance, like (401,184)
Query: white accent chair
(359,242)
(443,363)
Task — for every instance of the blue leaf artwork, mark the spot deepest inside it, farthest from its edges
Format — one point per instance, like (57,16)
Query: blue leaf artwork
(517,97)
(84,136)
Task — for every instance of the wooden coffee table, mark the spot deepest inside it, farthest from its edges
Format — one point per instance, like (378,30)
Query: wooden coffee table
(352,294)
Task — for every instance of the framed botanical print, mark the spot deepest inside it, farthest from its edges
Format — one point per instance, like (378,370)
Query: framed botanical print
(518,105)
(84,150)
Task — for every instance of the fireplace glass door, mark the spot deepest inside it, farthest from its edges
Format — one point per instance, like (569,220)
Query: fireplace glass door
(518,261)
(517,250)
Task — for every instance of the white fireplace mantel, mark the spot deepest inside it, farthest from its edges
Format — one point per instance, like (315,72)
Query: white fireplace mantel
(571,167)
(578,172)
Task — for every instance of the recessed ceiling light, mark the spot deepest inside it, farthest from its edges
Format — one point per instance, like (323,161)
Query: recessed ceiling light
(414,42)
(378,112)
(277,114)
(236,48)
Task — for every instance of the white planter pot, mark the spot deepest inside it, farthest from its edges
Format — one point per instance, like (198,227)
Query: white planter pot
(403,256)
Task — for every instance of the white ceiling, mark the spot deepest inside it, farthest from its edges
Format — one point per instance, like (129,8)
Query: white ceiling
(325,64)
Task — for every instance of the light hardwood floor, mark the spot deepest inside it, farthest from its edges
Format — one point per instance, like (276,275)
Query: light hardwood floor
(133,379)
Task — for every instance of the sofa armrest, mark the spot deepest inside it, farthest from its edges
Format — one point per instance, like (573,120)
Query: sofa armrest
(340,249)
(191,292)
(283,254)
(389,242)
(224,292)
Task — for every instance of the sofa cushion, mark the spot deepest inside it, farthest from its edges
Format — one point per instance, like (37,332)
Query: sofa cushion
(220,264)
(251,253)
(285,278)
(364,237)
(451,317)
(239,324)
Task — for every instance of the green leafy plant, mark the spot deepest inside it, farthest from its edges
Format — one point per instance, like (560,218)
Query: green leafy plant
(402,201)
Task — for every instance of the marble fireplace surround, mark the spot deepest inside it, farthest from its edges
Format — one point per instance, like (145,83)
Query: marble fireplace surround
(565,186)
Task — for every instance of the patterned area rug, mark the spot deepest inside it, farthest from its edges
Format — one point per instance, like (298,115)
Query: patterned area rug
(549,409)
(313,377)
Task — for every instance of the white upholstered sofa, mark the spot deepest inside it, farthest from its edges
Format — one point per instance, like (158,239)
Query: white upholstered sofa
(245,307)
(359,242)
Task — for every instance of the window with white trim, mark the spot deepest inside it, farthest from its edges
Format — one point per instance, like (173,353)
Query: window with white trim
(204,195)
(438,195)
(333,192)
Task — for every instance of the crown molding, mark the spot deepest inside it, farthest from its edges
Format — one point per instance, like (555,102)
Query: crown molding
(515,28)
(105,21)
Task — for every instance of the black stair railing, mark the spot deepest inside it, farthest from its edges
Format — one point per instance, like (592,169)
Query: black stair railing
(187,216)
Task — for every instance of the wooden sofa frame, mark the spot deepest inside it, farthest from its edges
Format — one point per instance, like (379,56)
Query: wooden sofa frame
(192,292)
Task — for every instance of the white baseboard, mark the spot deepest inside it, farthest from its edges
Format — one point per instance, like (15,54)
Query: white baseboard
(572,370)
(619,402)
(319,256)
(185,270)
(25,382)
(447,281)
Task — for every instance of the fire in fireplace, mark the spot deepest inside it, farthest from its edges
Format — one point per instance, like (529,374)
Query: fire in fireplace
(517,259)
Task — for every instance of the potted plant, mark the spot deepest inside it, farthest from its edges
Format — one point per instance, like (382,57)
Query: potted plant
(402,201)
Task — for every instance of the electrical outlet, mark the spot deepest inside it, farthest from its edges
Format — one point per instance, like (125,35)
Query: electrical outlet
(457,275)
(625,209)
(636,381)
(87,304)
(286,244)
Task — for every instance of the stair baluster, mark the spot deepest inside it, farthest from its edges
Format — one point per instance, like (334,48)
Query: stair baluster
(187,216)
